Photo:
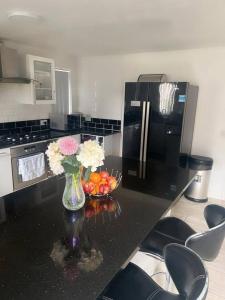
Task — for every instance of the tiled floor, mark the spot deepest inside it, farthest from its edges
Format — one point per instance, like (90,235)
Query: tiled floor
(192,213)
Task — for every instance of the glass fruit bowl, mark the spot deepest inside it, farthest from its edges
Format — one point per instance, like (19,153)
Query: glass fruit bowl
(102,182)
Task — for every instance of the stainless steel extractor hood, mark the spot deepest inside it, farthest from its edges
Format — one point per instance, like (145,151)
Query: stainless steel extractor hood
(9,66)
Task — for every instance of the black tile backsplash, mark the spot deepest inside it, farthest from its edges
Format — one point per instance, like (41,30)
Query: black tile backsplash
(36,128)
(100,126)
(116,127)
(106,126)
(33,122)
(26,129)
(96,124)
(96,120)
(104,121)
(113,122)
(21,124)
(10,125)
(22,127)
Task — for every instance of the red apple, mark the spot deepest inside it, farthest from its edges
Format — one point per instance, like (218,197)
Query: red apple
(101,188)
(86,187)
(91,186)
(106,189)
(104,174)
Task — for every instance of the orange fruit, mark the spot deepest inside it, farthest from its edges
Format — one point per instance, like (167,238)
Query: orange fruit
(93,192)
(97,188)
(103,181)
(95,177)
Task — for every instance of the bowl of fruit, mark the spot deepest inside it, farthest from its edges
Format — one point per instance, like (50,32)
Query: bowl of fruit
(102,183)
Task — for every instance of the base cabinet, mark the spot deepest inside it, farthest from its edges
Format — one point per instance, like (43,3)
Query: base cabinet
(76,137)
(6,181)
(112,144)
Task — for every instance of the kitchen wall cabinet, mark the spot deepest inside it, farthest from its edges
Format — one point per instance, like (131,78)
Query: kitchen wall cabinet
(42,72)
(6,181)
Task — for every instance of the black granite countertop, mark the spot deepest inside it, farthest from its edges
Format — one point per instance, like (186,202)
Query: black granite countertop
(83,130)
(54,134)
(49,253)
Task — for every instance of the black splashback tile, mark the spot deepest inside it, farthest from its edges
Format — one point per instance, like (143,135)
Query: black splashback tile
(104,121)
(92,124)
(14,131)
(96,120)
(10,125)
(116,127)
(32,123)
(21,127)
(21,124)
(106,126)
(99,126)
(25,129)
(95,124)
(36,128)
(113,122)
(3,131)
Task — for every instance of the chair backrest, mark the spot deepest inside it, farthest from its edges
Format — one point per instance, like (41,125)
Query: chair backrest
(207,244)
(187,271)
(214,215)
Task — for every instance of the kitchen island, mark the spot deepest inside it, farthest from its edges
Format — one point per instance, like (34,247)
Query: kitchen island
(49,253)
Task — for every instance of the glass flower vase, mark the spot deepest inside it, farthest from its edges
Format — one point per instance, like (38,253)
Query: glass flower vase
(73,196)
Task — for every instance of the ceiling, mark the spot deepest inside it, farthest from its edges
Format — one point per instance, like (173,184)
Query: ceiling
(95,27)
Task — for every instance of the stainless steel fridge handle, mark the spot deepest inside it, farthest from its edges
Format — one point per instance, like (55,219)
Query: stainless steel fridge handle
(146,131)
(142,130)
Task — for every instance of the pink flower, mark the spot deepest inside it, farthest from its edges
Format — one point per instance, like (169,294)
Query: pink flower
(68,145)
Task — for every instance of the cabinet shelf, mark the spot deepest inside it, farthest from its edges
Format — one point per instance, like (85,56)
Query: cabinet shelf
(42,73)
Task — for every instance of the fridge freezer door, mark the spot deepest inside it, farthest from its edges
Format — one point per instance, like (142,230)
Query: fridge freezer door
(165,122)
(136,95)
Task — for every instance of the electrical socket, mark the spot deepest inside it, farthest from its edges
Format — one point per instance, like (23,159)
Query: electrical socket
(43,122)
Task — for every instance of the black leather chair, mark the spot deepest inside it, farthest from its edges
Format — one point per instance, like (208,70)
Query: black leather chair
(173,230)
(185,268)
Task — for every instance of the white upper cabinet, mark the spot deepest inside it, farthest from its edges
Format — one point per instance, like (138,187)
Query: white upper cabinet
(42,73)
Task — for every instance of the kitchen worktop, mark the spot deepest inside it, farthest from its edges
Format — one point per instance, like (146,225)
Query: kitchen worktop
(93,131)
(53,134)
(49,253)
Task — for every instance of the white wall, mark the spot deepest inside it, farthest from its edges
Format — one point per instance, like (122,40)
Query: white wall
(101,94)
(12,94)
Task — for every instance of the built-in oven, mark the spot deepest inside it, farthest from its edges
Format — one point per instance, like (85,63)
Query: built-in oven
(28,151)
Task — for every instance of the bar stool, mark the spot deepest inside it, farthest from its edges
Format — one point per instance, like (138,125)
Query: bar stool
(184,266)
(173,230)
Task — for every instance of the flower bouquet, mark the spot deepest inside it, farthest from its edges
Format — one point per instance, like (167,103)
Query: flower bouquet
(67,156)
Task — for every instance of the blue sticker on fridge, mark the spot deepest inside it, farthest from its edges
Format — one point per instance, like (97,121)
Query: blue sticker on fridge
(182,98)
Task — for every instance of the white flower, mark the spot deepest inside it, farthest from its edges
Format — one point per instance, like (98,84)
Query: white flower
(55,158)
(91,155)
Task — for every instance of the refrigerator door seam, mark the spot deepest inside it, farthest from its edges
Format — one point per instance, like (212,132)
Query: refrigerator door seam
(142,130)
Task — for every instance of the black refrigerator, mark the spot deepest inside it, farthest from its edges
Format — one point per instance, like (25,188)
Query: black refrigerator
(159,121)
